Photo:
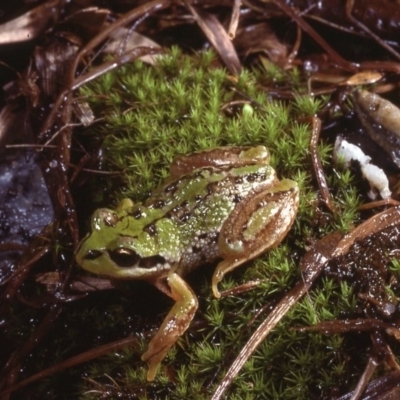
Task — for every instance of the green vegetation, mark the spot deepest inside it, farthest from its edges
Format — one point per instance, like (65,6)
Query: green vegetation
(148,116)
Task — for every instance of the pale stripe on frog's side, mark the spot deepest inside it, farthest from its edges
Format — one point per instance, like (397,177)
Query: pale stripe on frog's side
(223,204)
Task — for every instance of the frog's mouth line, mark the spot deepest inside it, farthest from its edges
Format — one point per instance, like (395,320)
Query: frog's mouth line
(123,263)
(126,258)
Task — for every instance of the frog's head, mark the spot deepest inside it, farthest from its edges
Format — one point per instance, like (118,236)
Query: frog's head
(120,247)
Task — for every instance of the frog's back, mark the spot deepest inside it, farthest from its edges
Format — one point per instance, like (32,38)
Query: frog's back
(196,205)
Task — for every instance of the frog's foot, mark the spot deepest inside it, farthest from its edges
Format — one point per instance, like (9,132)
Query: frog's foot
(174,325)
(222,268)
(258,223)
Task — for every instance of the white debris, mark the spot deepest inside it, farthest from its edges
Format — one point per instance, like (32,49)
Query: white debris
(377,179)
(346,152)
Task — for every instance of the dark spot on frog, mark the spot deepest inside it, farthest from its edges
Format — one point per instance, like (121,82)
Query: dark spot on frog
(198,198)
(175,210)
(179,212)
(185,217)
(159,203)
(137,214)
(238,180)
(237,198)
(151,229)
(171,188)
(173,213)
(252,177)
(195,249)
(110,219)
(149,262)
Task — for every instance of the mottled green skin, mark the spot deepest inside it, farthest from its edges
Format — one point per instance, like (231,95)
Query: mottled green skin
(225,204)
(180,222)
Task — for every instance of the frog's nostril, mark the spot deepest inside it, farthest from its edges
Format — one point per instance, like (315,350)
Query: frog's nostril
(92,254)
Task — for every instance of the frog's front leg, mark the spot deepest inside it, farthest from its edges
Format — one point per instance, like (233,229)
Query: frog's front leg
(174,325)
(259,222)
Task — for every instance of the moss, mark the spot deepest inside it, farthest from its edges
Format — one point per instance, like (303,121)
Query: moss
(151,114)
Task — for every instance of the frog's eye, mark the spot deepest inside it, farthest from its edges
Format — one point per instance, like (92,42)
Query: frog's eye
(124,257)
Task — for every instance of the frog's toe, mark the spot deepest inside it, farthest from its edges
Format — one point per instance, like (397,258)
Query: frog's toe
(214,284)
(153,362)
(152,371)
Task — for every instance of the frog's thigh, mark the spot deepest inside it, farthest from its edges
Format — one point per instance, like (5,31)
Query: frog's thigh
(174,325)
(235,156)
(259,222)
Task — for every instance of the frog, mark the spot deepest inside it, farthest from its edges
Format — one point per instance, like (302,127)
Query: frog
(224,205)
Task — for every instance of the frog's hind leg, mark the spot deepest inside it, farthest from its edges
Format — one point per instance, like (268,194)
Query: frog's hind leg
(259,222)
(174,325)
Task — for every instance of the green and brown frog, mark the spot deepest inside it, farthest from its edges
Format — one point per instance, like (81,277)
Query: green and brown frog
(224,205)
